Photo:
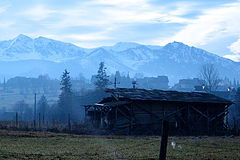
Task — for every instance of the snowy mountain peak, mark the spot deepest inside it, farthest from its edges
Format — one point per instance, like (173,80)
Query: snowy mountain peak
(176,45)
(20,44)
(121,46)
(171,59)
(22,37)
(48,40)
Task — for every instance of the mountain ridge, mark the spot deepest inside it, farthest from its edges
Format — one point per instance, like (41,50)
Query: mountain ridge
(176,60)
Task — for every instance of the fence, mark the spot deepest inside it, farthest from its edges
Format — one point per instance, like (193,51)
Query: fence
(41,124)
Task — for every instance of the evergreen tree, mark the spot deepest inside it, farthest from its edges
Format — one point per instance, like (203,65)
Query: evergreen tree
(43,107)
(102,80)
(65,98)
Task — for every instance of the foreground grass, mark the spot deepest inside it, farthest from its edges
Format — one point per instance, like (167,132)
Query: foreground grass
(34,145)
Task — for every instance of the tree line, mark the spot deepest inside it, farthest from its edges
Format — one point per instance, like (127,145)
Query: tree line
(68,104)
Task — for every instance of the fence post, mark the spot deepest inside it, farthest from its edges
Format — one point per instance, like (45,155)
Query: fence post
(34,124)
(69,122)
(16,120)
(43,119)
(164,140)
(35,111)
(39,120)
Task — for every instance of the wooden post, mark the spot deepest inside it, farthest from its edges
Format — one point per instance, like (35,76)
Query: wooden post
(35,109)
(101,119)
(17,119)
(47,125)
(43,119)
(116,112)
(164,140)
(94,117)
(69,122)
(227,116)
(39,120)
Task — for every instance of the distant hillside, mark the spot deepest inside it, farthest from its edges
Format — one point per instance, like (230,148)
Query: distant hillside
(24,56)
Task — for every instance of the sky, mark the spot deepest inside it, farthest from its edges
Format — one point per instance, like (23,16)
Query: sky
(211,25)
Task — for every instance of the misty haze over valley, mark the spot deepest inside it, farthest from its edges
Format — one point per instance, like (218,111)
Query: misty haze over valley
(120,79)
(47,56)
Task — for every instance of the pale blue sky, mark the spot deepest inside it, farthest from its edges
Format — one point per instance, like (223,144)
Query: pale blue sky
(212,25)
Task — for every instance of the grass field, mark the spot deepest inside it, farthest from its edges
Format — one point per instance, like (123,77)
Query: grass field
(36,145)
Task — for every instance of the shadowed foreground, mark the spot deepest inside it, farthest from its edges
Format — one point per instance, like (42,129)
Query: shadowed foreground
(34,145)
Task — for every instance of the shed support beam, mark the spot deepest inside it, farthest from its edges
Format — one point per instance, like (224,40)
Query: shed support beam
(195,109)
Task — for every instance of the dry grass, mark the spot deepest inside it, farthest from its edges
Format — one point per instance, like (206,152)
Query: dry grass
(36,145)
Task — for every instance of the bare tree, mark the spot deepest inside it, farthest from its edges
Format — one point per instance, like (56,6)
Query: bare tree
(210,75)
(23,109)
(43,107)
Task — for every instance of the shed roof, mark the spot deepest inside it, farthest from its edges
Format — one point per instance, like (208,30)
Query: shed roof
(162,95)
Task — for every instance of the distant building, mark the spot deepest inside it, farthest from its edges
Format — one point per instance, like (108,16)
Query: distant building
(188,84)
(141,111)
(201,88)
(160,82)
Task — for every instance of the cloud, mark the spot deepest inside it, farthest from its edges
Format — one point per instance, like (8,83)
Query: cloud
(105,13)
(235,49)
(6,24)
(101,22)
(109,18)
(115,18)
(212,24)
(120,3)
(2,9)
(234,57)
(90,40)
(38,13)
(87,37)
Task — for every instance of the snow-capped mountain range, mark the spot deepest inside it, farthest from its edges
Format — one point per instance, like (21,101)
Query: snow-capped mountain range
(24,56)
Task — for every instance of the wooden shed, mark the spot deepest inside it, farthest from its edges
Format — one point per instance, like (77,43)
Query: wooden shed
(140,111)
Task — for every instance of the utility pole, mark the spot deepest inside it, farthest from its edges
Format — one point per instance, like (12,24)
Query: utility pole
(35,110)
(69,122)
(115,82)
(4,84)
(39,120)
(16,121)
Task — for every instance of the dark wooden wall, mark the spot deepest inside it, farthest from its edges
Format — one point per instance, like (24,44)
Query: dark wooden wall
(145,117)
